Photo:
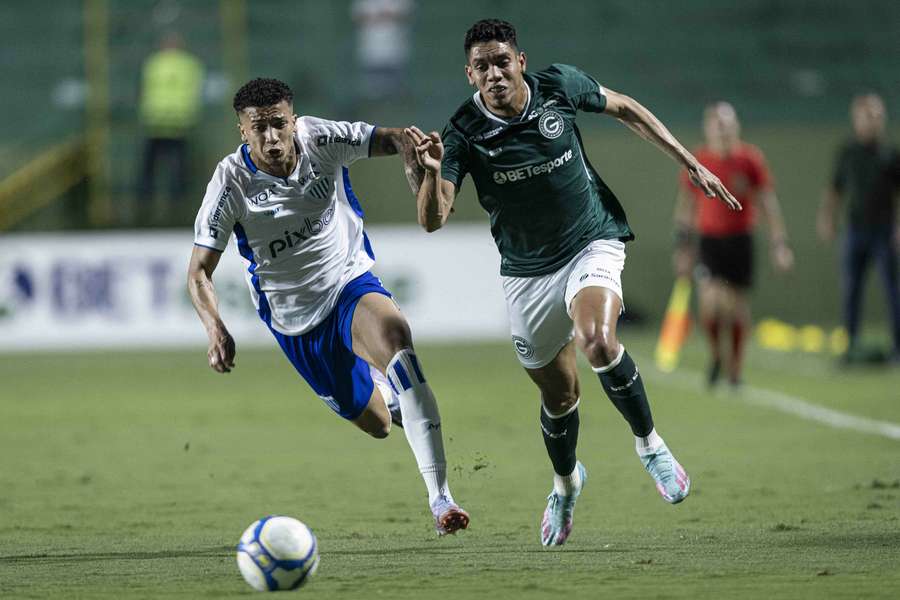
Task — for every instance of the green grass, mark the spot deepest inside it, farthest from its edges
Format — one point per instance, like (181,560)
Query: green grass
(133,474)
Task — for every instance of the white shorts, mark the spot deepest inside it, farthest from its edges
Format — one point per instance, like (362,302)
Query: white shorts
(540,308)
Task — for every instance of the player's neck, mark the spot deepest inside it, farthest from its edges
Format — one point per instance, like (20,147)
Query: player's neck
(516,106)
(282,168)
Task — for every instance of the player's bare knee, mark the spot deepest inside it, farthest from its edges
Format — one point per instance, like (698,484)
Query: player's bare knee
(380,430)
(559,403)
(600,347)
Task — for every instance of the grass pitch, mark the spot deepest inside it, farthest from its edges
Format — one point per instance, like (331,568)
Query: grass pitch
(133,474)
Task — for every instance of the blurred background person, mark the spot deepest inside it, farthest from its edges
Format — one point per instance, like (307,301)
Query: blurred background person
(866,179)
(170,101)
(383,37)
(721,240)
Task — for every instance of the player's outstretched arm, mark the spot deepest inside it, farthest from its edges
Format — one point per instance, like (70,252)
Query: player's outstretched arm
(434,198)
(645,124)
(203,295)
(387,141)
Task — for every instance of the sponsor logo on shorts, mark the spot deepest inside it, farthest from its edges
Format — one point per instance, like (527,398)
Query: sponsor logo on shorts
(551,125)
(523,348)
(600,273)
(514,175)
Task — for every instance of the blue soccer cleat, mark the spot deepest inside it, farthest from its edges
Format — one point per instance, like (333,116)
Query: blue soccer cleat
(557,522)
(448,516)
(671,479)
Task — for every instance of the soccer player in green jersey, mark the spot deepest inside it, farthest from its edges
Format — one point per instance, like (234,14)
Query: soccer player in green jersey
(561,234)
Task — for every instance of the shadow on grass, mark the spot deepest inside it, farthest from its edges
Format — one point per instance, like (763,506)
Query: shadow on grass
(216,552)
(228,551)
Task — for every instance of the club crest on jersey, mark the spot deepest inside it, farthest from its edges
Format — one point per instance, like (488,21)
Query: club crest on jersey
(551,125)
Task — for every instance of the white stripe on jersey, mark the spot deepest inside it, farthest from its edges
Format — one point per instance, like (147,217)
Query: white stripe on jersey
(301,237)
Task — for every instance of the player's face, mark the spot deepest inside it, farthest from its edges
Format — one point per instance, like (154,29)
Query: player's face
(868,118)
(269,130)
(496,68)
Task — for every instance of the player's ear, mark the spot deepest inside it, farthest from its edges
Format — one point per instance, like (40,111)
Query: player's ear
(469,76)
(240,127)
(522,61)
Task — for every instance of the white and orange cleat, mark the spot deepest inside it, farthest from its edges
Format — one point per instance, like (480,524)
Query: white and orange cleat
(448,516)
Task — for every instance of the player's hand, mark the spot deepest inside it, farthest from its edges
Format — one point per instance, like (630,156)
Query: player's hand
(782,256)
(221,350)
(429,148)
(712,186)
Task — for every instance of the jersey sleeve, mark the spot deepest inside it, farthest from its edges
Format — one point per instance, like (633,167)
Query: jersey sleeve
(216,217)
(341,141)
(582,90)
(454,166)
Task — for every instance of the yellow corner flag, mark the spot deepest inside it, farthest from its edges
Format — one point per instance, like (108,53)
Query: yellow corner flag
(676,326)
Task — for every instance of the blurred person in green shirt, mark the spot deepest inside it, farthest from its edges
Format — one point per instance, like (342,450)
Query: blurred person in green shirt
(170,102)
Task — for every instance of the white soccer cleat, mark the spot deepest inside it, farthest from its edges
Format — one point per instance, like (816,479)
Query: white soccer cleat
(559,514)
(672,482)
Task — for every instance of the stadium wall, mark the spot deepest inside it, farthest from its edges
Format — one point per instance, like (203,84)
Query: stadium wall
(128,289)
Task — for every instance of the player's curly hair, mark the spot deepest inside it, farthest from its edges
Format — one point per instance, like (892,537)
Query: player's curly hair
(262,91)
(490,30)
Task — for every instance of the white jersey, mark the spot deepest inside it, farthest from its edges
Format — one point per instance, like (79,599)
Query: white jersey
(302,236)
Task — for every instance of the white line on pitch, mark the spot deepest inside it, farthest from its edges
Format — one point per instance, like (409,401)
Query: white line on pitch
(789,404)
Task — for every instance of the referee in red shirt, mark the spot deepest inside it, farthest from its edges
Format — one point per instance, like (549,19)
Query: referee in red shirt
(721,240)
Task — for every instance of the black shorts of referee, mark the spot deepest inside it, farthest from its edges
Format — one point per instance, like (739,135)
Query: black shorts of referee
(729,258)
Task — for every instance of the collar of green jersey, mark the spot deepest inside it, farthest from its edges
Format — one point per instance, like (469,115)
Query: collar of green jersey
(476,98)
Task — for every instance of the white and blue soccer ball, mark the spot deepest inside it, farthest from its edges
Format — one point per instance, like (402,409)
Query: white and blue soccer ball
(277,553)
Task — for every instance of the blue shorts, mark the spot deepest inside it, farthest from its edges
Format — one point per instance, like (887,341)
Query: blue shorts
(324,355)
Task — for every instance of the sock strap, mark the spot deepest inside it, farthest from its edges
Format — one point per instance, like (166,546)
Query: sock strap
(613,364)
(561,415)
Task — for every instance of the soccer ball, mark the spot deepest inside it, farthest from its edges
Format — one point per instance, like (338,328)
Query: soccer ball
(277,553)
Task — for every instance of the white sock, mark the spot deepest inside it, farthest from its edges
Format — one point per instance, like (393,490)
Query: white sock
(391,401)
(421,422)
(649,444)
(564,485)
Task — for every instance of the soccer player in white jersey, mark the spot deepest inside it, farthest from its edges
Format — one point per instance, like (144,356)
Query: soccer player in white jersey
(285,194)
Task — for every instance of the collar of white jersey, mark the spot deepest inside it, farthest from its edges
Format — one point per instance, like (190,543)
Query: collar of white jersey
(476,98)
(251,166)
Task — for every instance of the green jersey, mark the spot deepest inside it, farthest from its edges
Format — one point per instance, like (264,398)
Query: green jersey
(545,200)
